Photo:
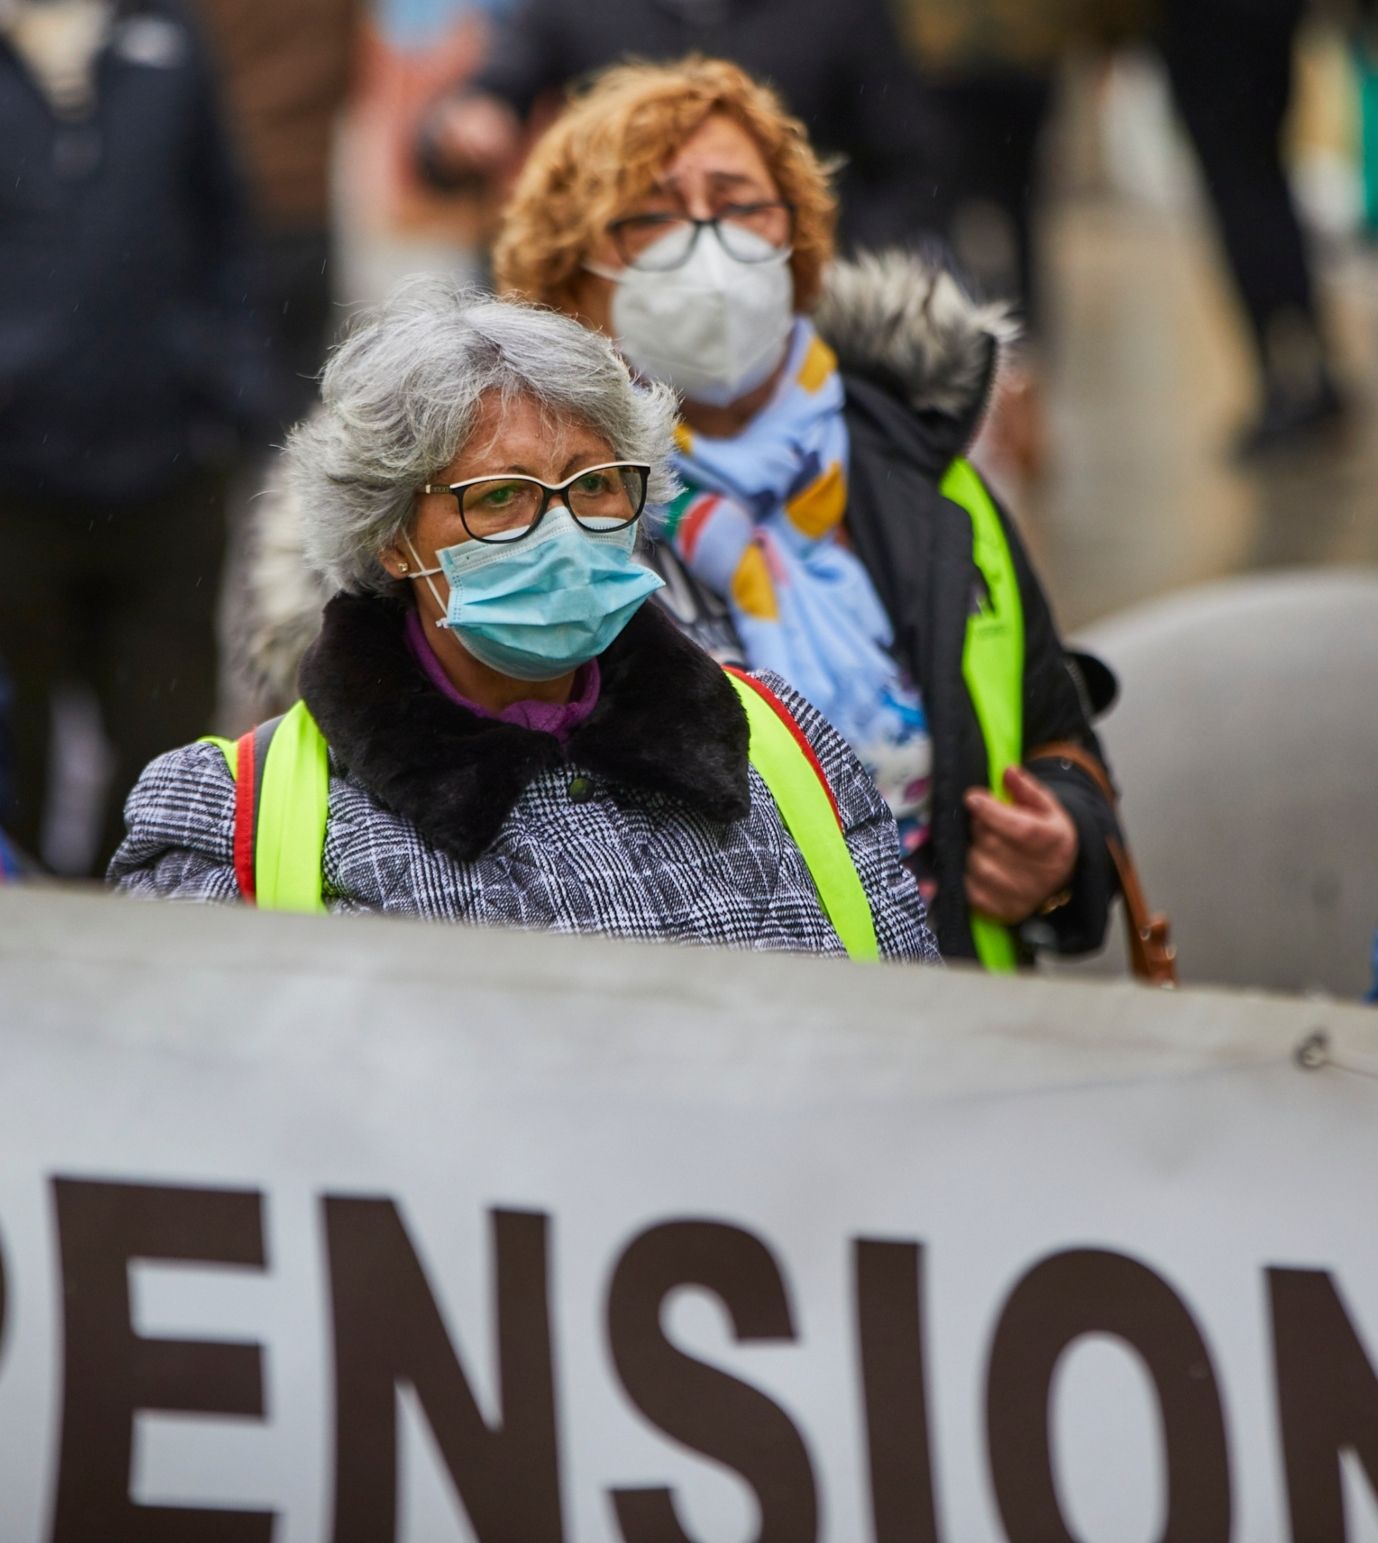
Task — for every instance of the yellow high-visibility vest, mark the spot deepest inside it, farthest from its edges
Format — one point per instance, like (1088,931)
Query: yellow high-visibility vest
(286,801)
(993,669)
(282,776)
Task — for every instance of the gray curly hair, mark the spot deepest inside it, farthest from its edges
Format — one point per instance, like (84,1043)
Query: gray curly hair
(400,397)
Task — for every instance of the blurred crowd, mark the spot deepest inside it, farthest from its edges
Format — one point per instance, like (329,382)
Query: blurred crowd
(178,179)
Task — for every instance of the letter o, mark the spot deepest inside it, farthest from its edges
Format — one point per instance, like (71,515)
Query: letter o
(1092,1291)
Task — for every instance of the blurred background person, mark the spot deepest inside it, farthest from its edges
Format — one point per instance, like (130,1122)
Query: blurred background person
(131,365)
(397,222)
(9,861)
(839,67)
(288,70)
(992,73)
(1230,64)
(681,210)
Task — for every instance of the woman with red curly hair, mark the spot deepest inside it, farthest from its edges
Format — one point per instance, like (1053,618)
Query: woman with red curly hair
(829,528)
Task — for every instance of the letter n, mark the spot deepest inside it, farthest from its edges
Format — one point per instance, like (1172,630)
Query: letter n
(389,1333)
(1327,1394)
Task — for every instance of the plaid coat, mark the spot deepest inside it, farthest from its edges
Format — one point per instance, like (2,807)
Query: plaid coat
(648,823)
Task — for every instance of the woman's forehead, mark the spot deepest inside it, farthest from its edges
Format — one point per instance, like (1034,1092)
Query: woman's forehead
(719,151)
(518,431)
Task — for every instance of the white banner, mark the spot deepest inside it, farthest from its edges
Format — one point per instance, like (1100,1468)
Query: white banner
(319,1229)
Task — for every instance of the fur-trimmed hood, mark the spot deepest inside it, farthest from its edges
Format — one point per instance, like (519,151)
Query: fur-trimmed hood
(281,602)
(903,321)
(897,319)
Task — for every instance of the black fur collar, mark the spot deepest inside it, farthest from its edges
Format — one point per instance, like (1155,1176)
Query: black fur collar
(667,721)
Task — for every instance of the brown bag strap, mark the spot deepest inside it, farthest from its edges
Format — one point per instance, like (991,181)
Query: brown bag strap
(1152,956)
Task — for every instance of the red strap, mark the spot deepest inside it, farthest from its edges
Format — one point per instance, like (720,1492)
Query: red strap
(244,817)
(787,718)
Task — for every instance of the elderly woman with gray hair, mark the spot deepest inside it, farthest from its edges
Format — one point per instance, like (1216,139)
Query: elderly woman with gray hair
(498,729)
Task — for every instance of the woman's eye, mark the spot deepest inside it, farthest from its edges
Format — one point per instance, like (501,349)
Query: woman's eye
(596,482)
(497,498)
(639,224)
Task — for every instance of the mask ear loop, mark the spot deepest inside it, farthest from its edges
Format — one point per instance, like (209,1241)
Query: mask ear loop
(428,574)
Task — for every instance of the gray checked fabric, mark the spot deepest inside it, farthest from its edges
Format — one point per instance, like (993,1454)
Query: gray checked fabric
(576,854)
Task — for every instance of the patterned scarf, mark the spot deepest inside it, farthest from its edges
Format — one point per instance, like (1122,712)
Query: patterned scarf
(759,525)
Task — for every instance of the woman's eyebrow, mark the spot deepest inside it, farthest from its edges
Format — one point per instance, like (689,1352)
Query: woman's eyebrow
(590,459)
(483,476)
(668,187)
(664,187)
(733,179)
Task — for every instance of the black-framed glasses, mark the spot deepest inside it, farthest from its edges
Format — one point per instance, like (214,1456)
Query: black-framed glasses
(498,509)
(659,243)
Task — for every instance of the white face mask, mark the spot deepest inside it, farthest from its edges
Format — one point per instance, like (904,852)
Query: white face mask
(715,328)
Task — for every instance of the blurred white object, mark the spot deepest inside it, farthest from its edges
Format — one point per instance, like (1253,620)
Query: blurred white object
(83,763)
(1245,744)
(1323,150)
(1147,161)
(1329,190)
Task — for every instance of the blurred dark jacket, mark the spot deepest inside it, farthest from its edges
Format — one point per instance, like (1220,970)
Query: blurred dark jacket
(839,67)
(287,66)
(6,739)
(130,356)
(10,866)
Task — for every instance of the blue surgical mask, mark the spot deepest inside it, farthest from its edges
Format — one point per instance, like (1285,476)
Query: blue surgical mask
(537,608)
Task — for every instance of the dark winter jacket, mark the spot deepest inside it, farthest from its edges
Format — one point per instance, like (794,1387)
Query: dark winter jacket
(126,356)
(838,67)
(918,360)
(649,823)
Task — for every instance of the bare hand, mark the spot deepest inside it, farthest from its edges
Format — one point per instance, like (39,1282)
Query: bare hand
(477,136)
(1021,853)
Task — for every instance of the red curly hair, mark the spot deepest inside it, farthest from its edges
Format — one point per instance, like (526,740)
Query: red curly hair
(605,151)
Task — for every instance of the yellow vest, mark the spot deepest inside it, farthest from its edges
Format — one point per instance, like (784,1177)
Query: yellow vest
(993,669)
(281,808)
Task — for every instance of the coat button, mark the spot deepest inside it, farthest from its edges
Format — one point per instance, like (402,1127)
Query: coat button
(580,789)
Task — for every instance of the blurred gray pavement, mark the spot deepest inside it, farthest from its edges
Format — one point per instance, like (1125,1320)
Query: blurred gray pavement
(1147,383)
(1246,749)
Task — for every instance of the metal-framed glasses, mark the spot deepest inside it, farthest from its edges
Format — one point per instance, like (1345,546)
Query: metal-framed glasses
(499,509)
(659,243)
